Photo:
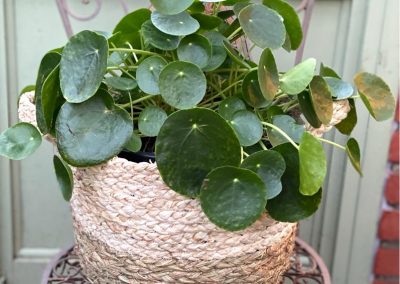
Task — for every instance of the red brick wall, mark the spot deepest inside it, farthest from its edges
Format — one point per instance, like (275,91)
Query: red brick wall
(386,263)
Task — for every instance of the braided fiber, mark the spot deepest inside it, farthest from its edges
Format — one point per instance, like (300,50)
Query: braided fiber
(131,228)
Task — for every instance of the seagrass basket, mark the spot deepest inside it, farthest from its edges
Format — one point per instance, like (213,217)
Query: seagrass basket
(131,228)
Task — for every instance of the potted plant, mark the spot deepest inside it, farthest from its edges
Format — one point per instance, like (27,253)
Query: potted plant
(237,144)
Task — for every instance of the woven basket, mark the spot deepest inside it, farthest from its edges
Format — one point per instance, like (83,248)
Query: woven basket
(131,228)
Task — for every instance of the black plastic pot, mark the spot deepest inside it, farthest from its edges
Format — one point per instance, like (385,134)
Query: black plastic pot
(146,153)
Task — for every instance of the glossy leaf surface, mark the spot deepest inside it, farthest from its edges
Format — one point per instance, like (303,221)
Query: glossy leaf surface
(233,198)
(148,73)
(171,7)
(312,164)
(134,144)
(289,126)
(157,38)
(64,177)
(229,106)
(121,83)
(353,152)
(347,125)
(19,141)
(290,205)
(339,89)
(151,119)
(182,84)
(321,99)
(92,132)
(218,53)
(195,49)
(268,75)
(247,126)
(185,132)
(269,166)
(178,25)
(299,77)
(307,109)
(252,92)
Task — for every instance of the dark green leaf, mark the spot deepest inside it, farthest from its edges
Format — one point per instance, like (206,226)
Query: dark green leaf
(178,25)
(19,141)
(207,22)
(353,152)
(229,106)
(299,77)
(151,119)
(171,7)
(148,73)
(233,198)
(127,30)
(268,75)
(233,2)
(121,83)
(218,53)
(48,64)
(251,91)
(290,205)
(312,164)
(204,141)
(263,26)
(195,49)
(52,99)
(376,95)
(269,166)
(240,6)
(134,144)
(339,89)
(347,125)
(326,71)
(92,132)
(321,99)
(307,109)
(196,7)
(157,38)
(290,19)
(83,65)
(117,58)
(289,126)
(182,84)
(247,126)
(64,177)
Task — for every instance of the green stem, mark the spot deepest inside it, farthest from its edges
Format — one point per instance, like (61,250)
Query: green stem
(262,145)
(222,92)
(283,133)
(137,101)
(138,51)
(234,33)
(332,143)
(122,67)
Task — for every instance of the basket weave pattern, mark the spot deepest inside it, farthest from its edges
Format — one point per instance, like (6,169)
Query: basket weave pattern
(131,228)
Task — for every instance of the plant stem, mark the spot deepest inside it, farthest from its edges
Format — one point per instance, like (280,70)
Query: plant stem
(138,51)
(332,143)
(122,67)
(234,33)
(283,133)
(262,145)
(222,92)
(137,101)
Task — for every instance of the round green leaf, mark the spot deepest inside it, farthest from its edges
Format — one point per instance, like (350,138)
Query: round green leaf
(376,95)
(268,75)
(92,132)
(195,49)
(128,29)
(52,99)
(247,126)
(251,91)
(307,109)
(196,7)
(117,58)
(151,119)
(269,166)
(182,84)
(218,53)
(299,77)
(312,164)
(353,152)
(289,126)
(263,26)
(83,65)
(19,141)
(171,7)
(190,144)
(207,22)
(134,144)
(233,198)
(290,19)
(321,99)
(290,205)
(178,25)
(64,177)
(121,83)
(229,106)
(157,38)
(148,73)
(239,7)
(49,62)
(339,89)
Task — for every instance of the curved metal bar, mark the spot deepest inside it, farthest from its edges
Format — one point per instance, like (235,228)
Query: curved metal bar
(83,18)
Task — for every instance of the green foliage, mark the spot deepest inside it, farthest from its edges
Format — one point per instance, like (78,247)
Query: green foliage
(227,130)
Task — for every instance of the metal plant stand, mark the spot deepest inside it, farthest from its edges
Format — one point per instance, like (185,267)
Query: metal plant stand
(307,267)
